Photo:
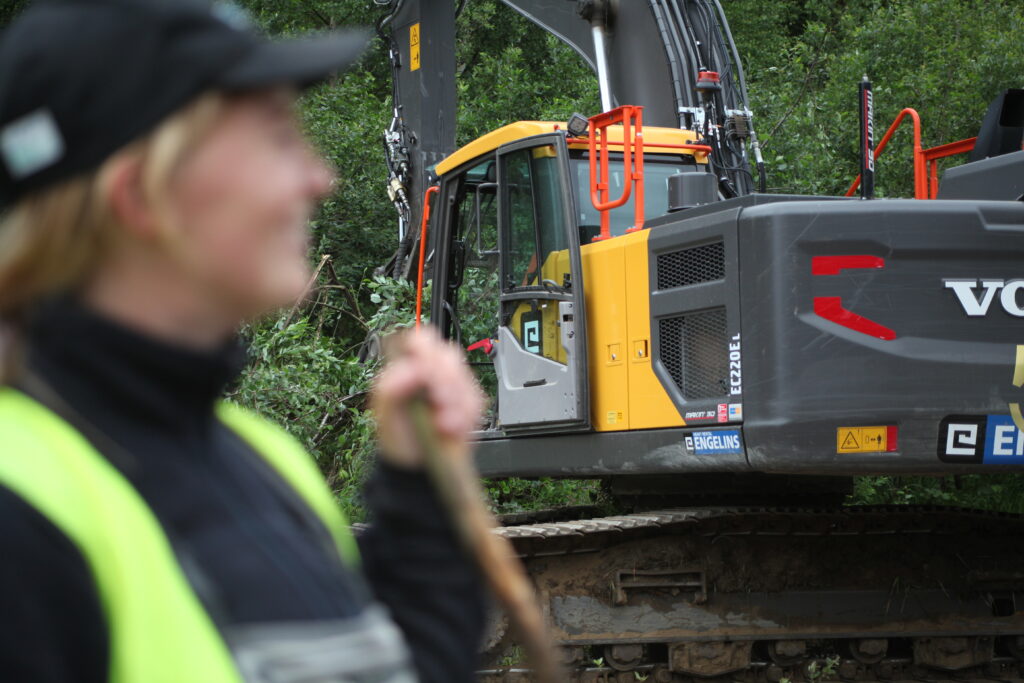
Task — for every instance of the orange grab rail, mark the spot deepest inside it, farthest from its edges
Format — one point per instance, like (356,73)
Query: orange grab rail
(423,250)
(692,146)
(631,119)
(920,187)
(926,165)
(932,156)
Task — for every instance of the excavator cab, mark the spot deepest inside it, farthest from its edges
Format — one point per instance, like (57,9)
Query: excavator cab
(512,223)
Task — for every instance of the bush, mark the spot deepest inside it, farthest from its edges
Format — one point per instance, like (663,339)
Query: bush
(305,381)
(998,492)
(313,383)
(522,495)
(804,59)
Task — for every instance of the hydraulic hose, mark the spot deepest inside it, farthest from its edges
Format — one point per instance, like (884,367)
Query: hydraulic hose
(672,52)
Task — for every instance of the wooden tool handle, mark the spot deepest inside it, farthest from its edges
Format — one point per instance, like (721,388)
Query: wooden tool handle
(451,470)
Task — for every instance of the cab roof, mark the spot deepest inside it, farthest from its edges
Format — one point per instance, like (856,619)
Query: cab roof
(656,140)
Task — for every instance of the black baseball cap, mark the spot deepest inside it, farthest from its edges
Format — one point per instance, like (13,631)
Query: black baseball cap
(80,79)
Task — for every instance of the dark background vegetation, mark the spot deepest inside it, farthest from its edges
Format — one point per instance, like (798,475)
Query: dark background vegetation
(946,58)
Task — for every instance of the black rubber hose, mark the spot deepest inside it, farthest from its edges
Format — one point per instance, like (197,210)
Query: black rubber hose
(683,43)
(673,59)
(683,18)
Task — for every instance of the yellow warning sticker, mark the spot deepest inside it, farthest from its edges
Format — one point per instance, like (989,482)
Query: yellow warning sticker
(414,47)
(861,439)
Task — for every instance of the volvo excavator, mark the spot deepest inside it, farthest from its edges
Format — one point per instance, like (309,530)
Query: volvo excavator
(724,359)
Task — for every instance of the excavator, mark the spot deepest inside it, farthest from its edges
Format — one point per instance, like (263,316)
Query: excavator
(724,359)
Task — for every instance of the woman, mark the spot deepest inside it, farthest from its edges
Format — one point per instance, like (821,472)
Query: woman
(157,190)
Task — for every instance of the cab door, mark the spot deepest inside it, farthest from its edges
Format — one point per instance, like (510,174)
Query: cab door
(541,353)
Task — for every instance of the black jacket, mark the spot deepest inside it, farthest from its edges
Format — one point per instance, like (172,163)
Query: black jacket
(148,407)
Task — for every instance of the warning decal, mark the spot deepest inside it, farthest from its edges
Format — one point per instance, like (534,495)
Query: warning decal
(862,439)
(414,47)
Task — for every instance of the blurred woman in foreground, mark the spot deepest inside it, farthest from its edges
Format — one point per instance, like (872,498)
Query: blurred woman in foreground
(156,190)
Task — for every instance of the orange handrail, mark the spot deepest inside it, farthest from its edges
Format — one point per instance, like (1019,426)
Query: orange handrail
(926,161)
(423,250)
(695,147)
(920,170)
(932,156)
(632,163)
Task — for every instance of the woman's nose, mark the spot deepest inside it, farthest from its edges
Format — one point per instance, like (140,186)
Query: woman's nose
(321,176)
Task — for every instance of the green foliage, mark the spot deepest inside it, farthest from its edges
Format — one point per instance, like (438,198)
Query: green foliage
(308,383)
(514,658)
(509,70)
(519,495)
(10,9)
(1000,492)
(946,58)
(823,670)
(356,225)
(395,302)
(311,381)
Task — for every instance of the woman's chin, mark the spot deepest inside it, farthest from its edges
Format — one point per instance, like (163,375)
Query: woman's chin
(272,298)
(287,289)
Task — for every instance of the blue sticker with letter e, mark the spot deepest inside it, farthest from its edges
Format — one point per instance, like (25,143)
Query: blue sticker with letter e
(981,439)
(719,442)
(1004,443)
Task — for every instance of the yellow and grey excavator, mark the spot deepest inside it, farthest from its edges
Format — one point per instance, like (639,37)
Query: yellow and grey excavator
(726,360)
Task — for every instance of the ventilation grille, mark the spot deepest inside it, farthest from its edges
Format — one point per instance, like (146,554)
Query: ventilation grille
(691,266)
(693,348)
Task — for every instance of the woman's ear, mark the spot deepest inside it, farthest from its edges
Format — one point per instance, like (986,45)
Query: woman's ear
(123,189)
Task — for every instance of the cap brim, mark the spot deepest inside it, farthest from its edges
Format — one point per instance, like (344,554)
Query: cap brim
(302,62)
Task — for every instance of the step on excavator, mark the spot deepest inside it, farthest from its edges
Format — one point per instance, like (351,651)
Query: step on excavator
(726,360)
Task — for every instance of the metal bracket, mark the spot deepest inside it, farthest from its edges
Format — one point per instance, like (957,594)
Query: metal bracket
(696,117)
(671,580)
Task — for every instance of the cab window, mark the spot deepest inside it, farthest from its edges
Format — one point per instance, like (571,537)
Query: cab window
(535,217)
(536,257)
(657,170)
(471,302)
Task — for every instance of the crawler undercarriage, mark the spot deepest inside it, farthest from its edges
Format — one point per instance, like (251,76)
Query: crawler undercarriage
(776,594)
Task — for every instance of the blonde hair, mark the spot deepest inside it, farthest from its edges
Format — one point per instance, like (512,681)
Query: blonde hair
(51,241)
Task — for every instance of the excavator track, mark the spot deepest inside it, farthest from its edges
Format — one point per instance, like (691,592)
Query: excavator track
(882,593)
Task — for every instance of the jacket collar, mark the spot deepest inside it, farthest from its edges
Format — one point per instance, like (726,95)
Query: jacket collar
(89,358)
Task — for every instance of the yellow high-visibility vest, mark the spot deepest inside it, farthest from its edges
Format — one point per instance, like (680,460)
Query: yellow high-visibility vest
(159,630)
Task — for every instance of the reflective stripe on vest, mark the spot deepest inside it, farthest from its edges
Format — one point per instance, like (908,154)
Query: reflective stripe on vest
(159,630)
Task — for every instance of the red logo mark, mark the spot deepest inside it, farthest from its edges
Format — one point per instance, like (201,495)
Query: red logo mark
(831,307)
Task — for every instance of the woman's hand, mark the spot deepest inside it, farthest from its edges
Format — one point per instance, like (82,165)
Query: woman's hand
(421,363)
